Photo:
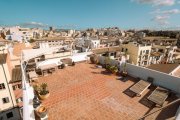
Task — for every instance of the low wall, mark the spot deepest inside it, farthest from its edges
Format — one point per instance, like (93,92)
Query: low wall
(80,56)
(77,57)
(160,79)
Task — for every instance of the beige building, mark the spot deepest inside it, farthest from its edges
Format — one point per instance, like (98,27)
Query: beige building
(139,53)
(8,105)
(53,42)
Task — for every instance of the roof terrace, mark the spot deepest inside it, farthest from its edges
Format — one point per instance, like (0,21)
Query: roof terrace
(85,92)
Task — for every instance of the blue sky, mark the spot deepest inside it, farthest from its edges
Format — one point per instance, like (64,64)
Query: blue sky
(91,13)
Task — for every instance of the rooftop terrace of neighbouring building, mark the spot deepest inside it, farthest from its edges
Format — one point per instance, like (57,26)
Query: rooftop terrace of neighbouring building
(85,92)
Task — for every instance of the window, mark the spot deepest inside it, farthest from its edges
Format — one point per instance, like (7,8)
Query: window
(122,49)
(104,54)
(14,87)
(112,54)
(2,86)
(147,51)
(5,100)
(9,115)
(19,86)
(141,52)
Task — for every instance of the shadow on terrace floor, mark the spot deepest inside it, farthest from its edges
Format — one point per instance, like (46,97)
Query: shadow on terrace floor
(165,113)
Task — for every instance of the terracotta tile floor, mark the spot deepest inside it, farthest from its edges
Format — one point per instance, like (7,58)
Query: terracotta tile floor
(84,92)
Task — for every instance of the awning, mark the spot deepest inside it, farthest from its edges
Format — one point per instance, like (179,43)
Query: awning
(32,53)
(16,75)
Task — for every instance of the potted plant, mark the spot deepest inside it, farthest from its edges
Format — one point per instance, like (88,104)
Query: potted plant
(97,61)
(108,68)
(94,59)
(106,61)
(114,69)
(62,66)
(41,111)
(36,89)
(73,63)
(124,72)
(41,90)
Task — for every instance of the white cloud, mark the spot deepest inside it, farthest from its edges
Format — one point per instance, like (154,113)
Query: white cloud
(161,16)
(158,17)
(33,24)
(172,11)
(161,19)
(157,2)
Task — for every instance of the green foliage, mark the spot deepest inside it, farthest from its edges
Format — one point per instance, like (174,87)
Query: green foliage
(124,67)
(41,89)
(36,88)
(113,69)
(108,67)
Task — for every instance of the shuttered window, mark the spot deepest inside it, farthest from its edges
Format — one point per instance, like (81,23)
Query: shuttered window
(5,100)
(2,86)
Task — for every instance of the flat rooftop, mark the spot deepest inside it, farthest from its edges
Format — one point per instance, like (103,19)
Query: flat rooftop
(84,92)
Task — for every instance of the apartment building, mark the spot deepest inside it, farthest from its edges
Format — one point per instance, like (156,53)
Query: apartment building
(22,34)
(113,52)
(163,54)
(158,53)
(139,53)
(110,41)
(8,106)
(173,55)
(19,34)
(92,43)
(53,42)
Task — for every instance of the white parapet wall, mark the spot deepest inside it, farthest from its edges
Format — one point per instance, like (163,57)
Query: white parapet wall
(80,56)
(77,57)
(160,79)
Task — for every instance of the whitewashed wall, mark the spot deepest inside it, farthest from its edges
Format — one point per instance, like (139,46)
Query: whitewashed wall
(161,79)
(80,56)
